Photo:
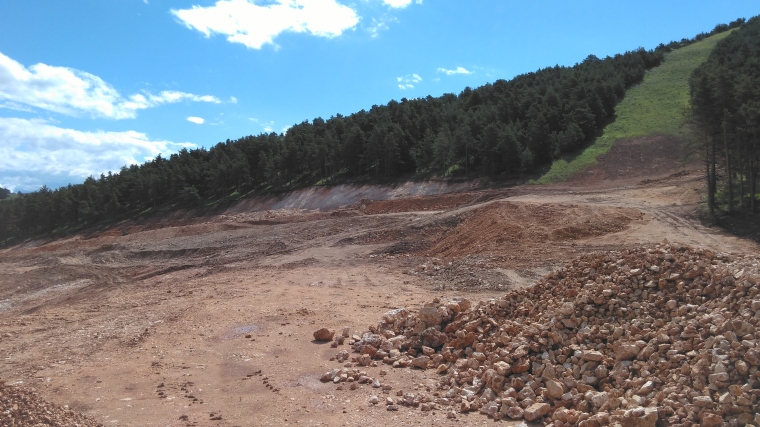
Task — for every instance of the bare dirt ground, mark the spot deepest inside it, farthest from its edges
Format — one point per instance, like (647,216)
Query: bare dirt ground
(208,322)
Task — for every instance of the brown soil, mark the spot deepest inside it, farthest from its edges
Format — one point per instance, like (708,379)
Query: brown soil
(427,203)
(504,227)
(208,321)
(638,158)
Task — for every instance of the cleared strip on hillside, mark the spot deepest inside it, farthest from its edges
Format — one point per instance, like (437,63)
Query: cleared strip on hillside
(654,107)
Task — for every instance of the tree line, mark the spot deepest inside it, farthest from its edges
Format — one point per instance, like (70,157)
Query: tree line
(503,129)
(725,110)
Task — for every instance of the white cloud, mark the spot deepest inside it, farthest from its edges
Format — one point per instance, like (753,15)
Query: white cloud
(408,81)
(35,152)
(379,25)
(196,120)
(15,106)
(457,70)
(74,92)
(233,100)
(254,25)
(400,4)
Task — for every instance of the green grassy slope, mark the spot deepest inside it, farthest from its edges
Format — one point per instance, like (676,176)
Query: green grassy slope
(654,107)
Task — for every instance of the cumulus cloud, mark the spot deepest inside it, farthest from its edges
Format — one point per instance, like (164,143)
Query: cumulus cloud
(196,120)
(400,4)
(457,70)
(74,92)
(253,25)
(408,81)
(36,152)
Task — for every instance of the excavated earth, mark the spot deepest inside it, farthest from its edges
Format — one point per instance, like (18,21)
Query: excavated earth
(209,321)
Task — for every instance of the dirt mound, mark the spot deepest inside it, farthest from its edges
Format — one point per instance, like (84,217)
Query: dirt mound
(428,203)
(500,226)
(24,408)
(664,335)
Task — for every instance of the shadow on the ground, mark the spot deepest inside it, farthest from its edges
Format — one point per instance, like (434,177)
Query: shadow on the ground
(740,224)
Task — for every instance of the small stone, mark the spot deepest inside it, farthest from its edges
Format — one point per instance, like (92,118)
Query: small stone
(324,334)
(593,356)
(599,399)
(431,316)
(502,368)
(373,400)
(642,417)
(702,401)
(554,389)
(567,309)
(646,388)
(536,411)
(752,356)
(742,367)
(421,362)
(515,412)
(710,420)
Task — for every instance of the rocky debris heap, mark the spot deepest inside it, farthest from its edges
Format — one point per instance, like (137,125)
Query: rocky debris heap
(20,407)
(664,335)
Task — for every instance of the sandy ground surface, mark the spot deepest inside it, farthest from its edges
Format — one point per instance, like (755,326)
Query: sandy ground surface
(209,322)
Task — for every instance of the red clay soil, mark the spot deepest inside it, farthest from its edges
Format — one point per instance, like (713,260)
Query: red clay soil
(502,226)
(426,203)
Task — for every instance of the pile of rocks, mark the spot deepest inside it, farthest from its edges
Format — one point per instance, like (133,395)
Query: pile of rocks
(20,407)
(664,335)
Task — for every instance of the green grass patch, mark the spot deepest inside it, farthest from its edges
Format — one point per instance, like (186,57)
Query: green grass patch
(653,107)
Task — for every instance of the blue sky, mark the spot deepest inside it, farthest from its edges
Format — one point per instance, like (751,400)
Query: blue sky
(87,86)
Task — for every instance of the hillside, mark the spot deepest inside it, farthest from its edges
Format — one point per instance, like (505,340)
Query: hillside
(655,107)
(499,131)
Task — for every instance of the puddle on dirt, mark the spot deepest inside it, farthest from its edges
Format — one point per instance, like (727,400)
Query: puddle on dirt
(236,332)
(246,329)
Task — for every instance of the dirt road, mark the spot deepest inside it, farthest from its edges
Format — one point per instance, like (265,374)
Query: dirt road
(209,322)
